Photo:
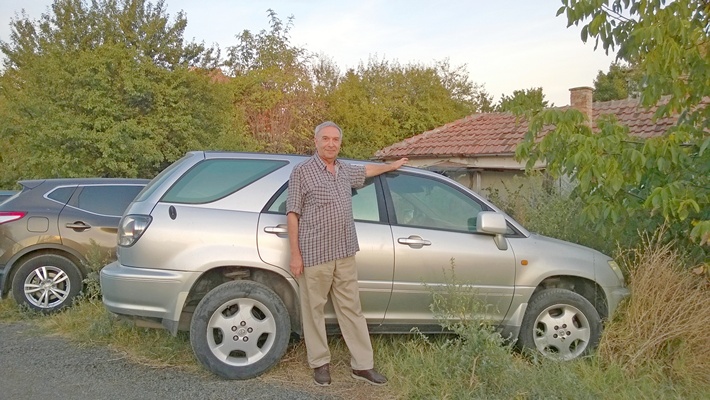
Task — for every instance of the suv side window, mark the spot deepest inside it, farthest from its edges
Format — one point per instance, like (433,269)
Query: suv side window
(365,203)
(107,199)
(212,180)
(429,203)
(365,206)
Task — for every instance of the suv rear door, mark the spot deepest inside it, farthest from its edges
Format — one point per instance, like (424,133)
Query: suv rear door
(375,260)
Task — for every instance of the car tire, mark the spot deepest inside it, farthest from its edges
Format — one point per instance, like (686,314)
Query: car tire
(560,324)
(240,329)
(47,283)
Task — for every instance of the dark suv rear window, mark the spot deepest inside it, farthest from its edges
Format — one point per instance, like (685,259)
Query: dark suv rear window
(107,199)
(62,194)
(212,180)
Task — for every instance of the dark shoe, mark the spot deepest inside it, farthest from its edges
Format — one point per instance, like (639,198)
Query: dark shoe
(370,376)
(321,375)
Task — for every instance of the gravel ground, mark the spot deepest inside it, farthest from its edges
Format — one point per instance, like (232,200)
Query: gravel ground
(37,366)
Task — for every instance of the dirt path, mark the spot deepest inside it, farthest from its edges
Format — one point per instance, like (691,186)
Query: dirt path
(33,366)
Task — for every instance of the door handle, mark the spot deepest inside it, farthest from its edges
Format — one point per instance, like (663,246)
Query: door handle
(414,241)
(78,226)
(277,230)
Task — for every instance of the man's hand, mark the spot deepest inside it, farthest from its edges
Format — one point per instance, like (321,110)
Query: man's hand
(397,164)
(376,169)
(296,265)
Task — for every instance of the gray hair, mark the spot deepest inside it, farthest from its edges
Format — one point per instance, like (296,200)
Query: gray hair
(327,124)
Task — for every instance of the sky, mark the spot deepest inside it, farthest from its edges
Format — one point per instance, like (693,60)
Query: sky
(506,45)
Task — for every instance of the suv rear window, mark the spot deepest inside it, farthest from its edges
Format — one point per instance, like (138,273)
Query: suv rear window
(214,179)
(156,182)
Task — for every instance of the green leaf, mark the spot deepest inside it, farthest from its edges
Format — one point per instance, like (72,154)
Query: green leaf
(704,146)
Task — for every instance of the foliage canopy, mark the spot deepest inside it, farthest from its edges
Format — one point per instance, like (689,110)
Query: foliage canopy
(111,88)
(626,182)
(523,100)
(619,83)
(102,89)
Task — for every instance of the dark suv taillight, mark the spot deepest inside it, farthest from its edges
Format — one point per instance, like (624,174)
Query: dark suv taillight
(9,216)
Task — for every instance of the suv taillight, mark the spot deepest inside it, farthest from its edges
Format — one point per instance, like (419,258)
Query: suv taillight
(9,216)
(132,228)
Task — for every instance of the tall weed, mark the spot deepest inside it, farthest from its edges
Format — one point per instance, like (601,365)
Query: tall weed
(473,361)
(664,323)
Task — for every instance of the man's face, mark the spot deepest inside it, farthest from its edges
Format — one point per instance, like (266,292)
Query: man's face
(328,143)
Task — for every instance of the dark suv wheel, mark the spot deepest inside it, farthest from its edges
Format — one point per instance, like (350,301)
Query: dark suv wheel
(46,283)
(240,330)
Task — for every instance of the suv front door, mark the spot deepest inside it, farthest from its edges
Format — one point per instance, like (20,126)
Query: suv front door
(435,241)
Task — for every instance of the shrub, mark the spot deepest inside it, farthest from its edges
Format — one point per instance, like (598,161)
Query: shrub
(550,211)
(96,258)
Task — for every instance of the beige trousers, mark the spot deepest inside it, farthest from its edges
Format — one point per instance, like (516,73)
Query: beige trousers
(339,278)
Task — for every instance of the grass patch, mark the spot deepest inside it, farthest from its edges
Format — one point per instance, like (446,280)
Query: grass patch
(11,312)
(89,323)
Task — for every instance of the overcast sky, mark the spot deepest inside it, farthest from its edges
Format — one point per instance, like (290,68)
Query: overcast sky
(505,44)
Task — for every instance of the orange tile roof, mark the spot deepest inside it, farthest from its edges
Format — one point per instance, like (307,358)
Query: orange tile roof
(638,119)
(499,133)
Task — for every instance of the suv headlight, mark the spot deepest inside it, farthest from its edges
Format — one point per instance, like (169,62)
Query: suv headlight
(132,228)
(617,270)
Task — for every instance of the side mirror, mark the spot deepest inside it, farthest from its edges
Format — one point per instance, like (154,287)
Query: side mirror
(493,223)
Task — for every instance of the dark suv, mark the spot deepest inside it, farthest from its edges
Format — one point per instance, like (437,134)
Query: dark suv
(6,194)
(47,230)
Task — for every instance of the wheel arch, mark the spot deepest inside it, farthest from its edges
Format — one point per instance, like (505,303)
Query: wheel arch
(586,288)
(217,276)
(30,253)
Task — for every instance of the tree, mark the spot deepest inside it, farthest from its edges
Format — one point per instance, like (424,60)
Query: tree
(273,89)
(619,83)
(384,102)
(626,181)
(104,89)
(523,100)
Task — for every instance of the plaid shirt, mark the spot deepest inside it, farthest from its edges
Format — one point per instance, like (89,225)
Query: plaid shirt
(326,229)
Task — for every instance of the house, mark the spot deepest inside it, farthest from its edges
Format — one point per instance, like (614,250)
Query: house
(479,150)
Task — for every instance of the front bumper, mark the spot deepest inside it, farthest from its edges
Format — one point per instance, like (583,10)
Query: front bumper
(615,297)
(146,293)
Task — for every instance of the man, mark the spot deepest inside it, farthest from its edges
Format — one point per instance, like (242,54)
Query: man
(323,246)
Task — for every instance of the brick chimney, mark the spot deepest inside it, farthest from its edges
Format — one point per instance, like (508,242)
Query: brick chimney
(581,99)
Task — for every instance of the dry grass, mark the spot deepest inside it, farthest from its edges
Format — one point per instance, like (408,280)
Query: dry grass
(293,371)
(89,323)
(665,322)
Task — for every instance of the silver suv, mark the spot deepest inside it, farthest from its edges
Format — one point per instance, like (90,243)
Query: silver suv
(204,248)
